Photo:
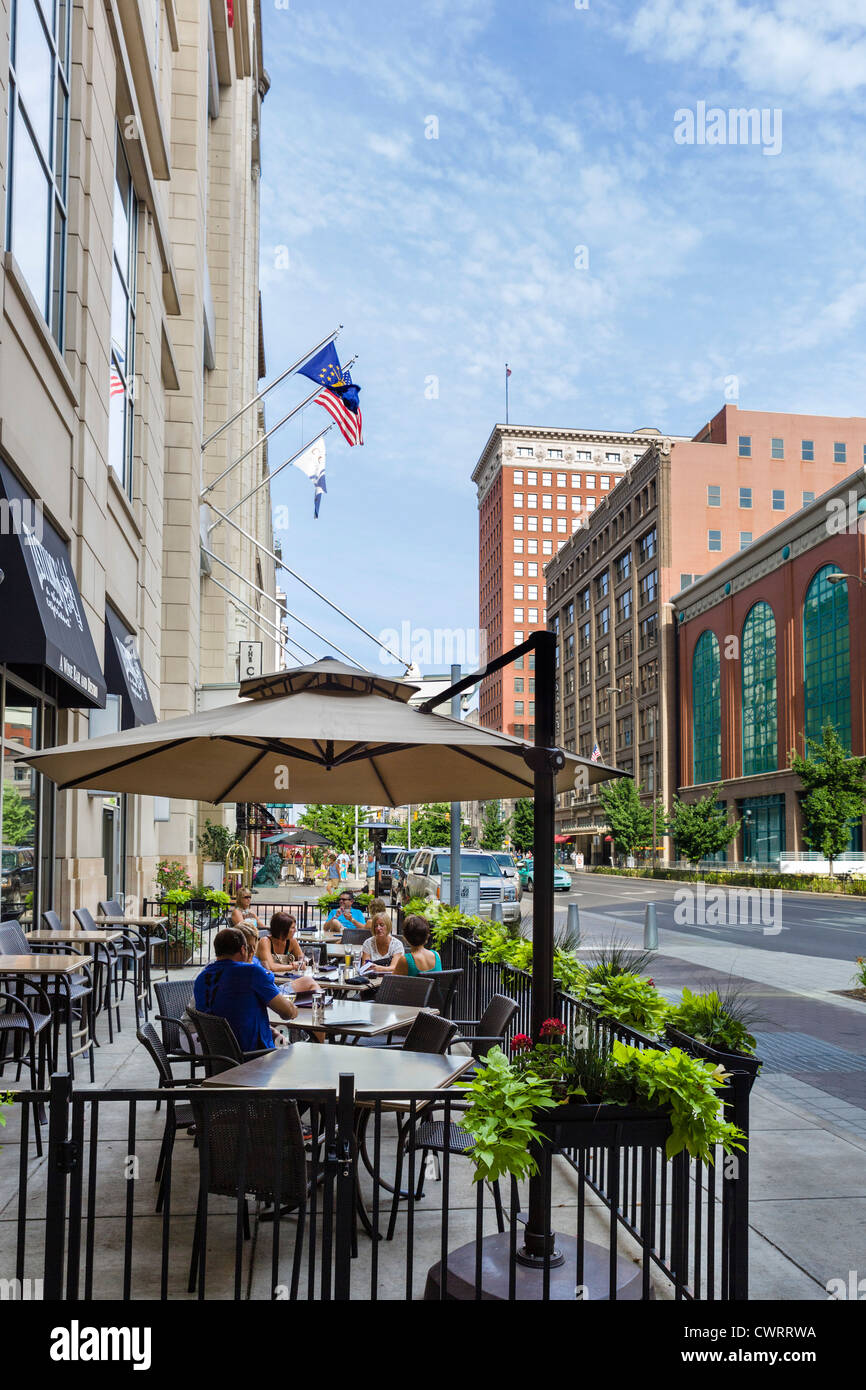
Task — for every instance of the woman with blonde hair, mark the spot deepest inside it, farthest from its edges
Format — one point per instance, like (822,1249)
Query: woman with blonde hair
(381,950)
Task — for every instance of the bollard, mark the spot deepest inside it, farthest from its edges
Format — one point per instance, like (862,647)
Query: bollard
(496,912)
(650,928)
(574,923)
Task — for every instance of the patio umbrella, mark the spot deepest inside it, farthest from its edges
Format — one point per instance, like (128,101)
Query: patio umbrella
(307,839)
(326,732)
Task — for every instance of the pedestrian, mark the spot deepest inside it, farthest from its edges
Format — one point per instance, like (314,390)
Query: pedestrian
(333,867)
(343,861)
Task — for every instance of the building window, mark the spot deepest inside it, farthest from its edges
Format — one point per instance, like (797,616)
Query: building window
(518,707)
(518,685)
(562,525)
(623,605)
(840,453)
(575,477)
(532,523)
(122,352)
(546,547)
(546,502)
(778,500)
(518,591)
(745,539)
(554,453)
(807,450)
(518,523)
(745,499)
(532,501)
(648,632)
(532,615)
(532,479)
(685,581)
(777,448)
(584,455)
(518,570)
(623,649)
(518,500)
(590,480)
(602,662)
(714,540)
(706,710)
(547,480)
(518,547)
(714,495)
(532,547)
(647,546)
(523,452)
(605,482)
(758,665)
(38,141)
(807,498)
(745,449)
(602,621)
(562,504)
(649,587)
(518,615)
(590,504)
(575,503)
(561,478)
(827,678)
(518,477)
(546,523)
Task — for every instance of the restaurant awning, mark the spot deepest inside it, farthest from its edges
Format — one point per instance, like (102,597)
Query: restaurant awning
(123,673)
(43,613)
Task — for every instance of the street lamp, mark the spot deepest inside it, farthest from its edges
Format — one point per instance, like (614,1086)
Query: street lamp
(843,578)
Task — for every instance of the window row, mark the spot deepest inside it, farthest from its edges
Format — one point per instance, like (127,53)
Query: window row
(807,449)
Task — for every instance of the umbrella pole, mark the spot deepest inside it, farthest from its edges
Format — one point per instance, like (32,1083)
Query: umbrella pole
(539,1244)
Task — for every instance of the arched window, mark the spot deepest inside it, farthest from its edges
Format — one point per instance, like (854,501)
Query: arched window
(826,668)
(758,666)
(707,709)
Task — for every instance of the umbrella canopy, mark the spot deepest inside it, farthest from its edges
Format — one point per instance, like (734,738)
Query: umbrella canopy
(325,732)
(308,839)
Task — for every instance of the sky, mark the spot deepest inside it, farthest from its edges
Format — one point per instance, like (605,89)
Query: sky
(465,183)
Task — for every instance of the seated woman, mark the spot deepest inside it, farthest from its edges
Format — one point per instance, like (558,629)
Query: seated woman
(279,950)
(242,912)
(382,949)
(419,959)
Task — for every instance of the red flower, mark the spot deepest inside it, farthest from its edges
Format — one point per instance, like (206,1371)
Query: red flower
(651,982)
(520,1042)
(553,1027)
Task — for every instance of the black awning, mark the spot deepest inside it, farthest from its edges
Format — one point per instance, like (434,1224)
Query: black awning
(43,621)
(124,674)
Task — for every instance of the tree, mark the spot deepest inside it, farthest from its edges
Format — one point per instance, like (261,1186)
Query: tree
(631,822)
(492,827)
(701,828)
(835,792)
(336,823)
(433,826)
(17,816)
(522,823)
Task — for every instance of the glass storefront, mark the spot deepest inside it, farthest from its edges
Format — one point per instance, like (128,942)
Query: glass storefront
(763,827)
(27,800)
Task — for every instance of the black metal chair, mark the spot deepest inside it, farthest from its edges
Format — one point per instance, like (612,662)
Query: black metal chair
(355,936)
(20,1024)
(220,1047)
(178,1117)
(131,956)
(71,998)
(445,984)
(488,1030)
(250,1147)
(411,990)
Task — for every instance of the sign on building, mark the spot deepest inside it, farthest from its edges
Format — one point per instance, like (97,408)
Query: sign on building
(249,659)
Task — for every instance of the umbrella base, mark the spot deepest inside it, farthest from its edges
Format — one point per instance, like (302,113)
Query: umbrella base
(529,1283)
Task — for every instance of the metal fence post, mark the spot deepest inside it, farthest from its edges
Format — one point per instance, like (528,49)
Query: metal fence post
(346,1158)
(61,1161)
(738,1255)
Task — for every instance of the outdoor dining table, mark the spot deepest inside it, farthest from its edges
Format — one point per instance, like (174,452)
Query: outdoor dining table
(147,924)
(75,936)
(353,1018)
(62,968)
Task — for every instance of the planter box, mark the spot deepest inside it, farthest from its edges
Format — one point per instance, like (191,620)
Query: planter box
(742,1063)
(574,1126)
(177,955)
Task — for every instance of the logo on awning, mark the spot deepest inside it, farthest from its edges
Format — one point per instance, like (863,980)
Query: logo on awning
(55,581)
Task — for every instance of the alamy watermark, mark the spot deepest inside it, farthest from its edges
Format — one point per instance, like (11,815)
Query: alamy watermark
(21,517)
(700,906)
(737,126)
(441,647)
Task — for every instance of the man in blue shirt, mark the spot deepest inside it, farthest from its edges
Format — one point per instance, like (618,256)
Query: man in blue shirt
(240,990)
(345,914)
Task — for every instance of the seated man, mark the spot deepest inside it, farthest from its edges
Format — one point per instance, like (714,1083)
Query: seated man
(237,988)
(345,914)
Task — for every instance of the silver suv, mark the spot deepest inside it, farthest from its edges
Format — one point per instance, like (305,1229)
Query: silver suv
(425,874)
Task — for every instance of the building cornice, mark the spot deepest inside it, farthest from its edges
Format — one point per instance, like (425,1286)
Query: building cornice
(504,438)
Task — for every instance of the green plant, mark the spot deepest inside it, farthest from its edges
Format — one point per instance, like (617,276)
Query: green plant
(420,906)
(650,1077)
(332,897)
(336,823)
(860,972)
(522,823)
(716,1020)
(630,1000)
(446,920)
(701,828)
(501,1118)
(631,822)
(176,897)
(17,816)
(493,827)
(835,792)
(182,932)
(171,874)
(616,957)
(215,841)
(6,1098)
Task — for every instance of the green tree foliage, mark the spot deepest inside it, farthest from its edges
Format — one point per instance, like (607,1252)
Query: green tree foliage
(522,823)
(701,828)
(834,795)
(17,816)
(433,825)
(493,827)
(337,823)
(630,820)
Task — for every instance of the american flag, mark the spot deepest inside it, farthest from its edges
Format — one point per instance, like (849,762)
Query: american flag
(348,421)
(596,754)
(115,381)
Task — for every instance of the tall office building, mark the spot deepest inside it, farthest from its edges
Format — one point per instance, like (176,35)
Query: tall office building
(535,487)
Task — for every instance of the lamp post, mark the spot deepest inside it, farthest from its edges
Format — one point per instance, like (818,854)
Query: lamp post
(844,578)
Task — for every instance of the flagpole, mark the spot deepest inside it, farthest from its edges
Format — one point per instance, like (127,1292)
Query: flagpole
(506,392)
(261,394)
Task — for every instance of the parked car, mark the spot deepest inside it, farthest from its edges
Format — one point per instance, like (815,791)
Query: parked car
(561,878)
(17,872)
(429,865)
(387,856)
(505,860)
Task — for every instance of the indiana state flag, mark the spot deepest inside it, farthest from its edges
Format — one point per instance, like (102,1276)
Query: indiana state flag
(312,463)
(340,394)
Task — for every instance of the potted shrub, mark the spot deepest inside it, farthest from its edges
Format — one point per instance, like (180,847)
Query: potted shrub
(716,1027)
(214,843)
(589,1095)
(183,938)
(170,877)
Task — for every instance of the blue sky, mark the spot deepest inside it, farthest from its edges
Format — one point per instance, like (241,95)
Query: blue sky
(446,257)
